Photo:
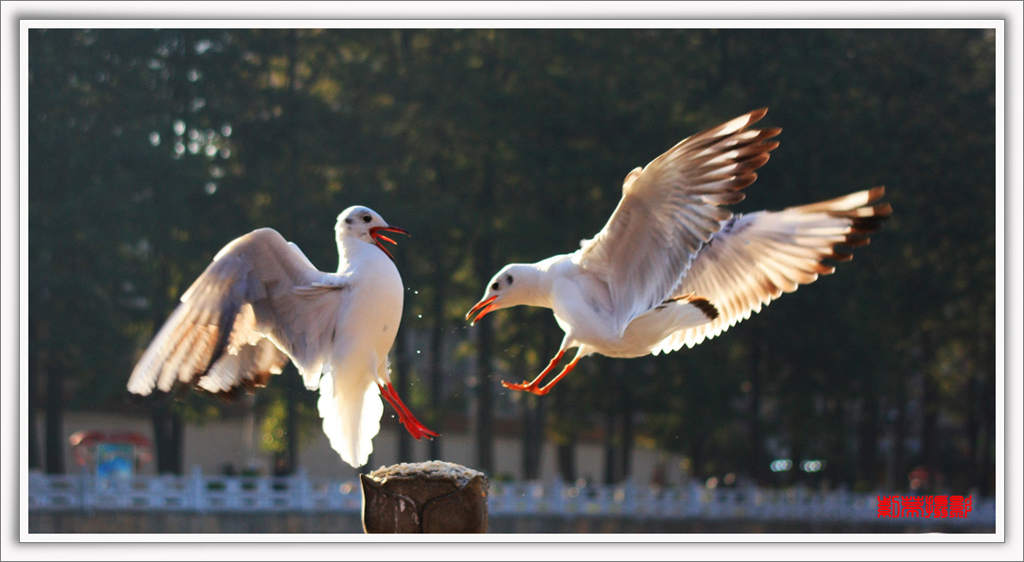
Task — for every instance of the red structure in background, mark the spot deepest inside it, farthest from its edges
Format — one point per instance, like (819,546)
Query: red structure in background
(110,453)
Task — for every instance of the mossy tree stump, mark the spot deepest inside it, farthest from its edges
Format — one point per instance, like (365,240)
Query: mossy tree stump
(427,497)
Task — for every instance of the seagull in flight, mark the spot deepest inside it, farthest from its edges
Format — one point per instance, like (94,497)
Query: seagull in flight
(673,266)
(262,303)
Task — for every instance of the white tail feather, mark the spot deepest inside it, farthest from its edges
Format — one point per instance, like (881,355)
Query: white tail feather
(351,417)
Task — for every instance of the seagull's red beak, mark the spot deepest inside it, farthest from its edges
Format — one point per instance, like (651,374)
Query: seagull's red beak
(377,237)
(482,307)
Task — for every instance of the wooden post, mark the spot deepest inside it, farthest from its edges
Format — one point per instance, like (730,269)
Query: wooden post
(425,497)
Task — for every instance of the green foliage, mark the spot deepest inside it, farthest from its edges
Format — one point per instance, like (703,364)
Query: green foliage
(274,426)
(149,150)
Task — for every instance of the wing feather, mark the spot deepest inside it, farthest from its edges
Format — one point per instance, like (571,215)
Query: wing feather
(669,209)
(242,319)
(758,257)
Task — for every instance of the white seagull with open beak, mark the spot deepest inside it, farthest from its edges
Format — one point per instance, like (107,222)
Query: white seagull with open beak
(261,302)
(672,266)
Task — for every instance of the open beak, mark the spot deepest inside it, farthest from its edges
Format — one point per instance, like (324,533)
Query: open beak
(481,309)
(377,237)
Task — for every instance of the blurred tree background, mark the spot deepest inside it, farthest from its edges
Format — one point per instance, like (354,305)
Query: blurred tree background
(151,149)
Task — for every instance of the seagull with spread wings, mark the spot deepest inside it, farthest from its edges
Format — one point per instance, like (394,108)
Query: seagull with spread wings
(262,302)
(673,266)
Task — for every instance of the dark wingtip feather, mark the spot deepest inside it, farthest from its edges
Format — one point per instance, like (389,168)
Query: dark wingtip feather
(729,198)
(755,162)
(757,115)
(856,241)
(742,182)
(883,210)
(866,225)
(705,306)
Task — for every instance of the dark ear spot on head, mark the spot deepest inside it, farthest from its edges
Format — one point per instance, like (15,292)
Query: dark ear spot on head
(510,279)
(348,220)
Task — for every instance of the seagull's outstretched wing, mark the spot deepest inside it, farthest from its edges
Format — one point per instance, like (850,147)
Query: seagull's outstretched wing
(259,297)
(248,368)
(670,209)
(757,257)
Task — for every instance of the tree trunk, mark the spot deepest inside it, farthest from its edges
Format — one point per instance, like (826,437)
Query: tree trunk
(540,415)
(162,440)
(758,368)
(437,351)
(485,400)
(535,413)
(898,471)
(987,482)
(483,261)
(867,446)
(696,451)
(55,421)
(566,449)
(37,371)
(533,436)
(929,411)
(293,389)
(972,430)
(610,464)
(178,443)
(839,446)
(626,454)
(798,419)
(291,457)
(402,387)
(35,453)
(567,462)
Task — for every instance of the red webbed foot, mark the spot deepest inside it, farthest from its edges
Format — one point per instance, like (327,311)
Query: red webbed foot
(405,416)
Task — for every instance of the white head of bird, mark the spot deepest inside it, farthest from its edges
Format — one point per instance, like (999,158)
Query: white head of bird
(516,284)
(363,223)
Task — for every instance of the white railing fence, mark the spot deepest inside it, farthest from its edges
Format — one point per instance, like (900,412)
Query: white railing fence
(196,492)
(300,493)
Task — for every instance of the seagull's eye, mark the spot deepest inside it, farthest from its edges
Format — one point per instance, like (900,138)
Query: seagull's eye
(494,287)
(366,218)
